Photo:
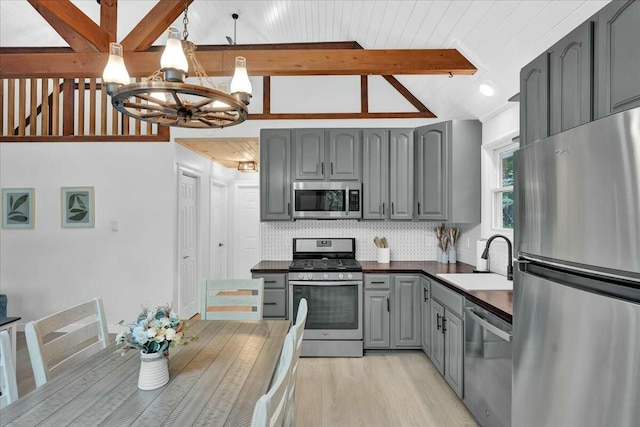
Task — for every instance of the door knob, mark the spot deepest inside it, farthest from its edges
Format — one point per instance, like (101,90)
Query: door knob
(220,245)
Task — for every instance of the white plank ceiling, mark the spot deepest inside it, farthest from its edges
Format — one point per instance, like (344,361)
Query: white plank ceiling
(499,37)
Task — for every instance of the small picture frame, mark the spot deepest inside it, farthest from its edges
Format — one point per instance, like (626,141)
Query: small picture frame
(18,207)
(78,208)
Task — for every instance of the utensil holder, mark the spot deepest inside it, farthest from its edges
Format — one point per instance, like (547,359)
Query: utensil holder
(384,255)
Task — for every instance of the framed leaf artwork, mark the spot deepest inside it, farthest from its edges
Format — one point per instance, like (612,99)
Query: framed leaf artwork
(78,209)
(18,207)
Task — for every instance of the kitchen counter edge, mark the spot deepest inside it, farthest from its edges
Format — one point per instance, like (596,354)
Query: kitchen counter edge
(498,302)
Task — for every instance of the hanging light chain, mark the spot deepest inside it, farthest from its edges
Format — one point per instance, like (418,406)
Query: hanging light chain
(185,21)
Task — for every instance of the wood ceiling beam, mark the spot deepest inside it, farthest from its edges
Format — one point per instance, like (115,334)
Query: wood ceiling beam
(76,28)
(153,25)
(339,116)
(271,62)
(109,18)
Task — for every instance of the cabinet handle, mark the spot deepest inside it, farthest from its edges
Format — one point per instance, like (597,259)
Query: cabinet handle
(382,208)
(269,303)
(388,308)
(426,294)
(444,329)
(273,281)
(437,321)
(392,209)
(331,168)
(418,208)
(378,283)
(322,166)
(289,208)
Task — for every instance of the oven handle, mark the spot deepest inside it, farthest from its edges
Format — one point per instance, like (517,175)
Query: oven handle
(325,283)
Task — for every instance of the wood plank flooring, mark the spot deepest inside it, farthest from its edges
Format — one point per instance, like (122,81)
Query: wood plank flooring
(381,389)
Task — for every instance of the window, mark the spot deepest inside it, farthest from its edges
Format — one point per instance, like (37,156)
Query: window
(503,204)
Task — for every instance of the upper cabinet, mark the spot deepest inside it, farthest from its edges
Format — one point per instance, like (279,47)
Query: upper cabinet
(275,175)
(375,174)
(327,154)
(589,74)
(447,162)
(618,53)
(401,174)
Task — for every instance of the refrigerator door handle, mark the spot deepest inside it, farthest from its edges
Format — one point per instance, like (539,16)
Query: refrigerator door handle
(488,326)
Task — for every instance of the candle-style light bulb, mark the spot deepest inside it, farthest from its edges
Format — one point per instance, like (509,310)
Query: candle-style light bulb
(240,84)
(115,72)
(173,61)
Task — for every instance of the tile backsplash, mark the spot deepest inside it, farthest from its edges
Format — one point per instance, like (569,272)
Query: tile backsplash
(408,241)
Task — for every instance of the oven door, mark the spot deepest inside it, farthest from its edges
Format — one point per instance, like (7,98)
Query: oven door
(335,309)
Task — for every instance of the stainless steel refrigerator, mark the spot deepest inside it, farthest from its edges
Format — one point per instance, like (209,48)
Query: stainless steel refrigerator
(576,354)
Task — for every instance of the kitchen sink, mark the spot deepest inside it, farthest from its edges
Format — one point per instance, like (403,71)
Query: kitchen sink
(479,282)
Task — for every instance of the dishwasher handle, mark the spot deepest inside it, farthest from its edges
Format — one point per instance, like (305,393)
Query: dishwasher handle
(488,326)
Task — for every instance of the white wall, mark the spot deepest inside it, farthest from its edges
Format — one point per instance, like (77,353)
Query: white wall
(49,268)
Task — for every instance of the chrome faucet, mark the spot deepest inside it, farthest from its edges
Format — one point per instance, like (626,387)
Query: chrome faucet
(485,254)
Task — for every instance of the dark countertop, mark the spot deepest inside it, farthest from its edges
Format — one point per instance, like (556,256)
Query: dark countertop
(498,302)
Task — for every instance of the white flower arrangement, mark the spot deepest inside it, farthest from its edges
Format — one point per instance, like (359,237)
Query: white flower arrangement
(154,331)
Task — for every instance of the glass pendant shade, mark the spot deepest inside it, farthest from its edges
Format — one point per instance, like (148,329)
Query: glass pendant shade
(173,56)
(115,72)
(222,87)
(240,81)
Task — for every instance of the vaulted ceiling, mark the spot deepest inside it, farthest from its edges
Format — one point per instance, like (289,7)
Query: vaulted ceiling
(498,37)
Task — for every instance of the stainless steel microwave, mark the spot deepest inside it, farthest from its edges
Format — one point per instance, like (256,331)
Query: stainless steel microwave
(327,200)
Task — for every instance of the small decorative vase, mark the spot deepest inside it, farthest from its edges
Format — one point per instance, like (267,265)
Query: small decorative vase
(453,255)
(154,371)
(443,257)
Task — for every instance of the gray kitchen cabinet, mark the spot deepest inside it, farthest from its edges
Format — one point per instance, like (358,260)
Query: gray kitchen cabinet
(344,154)
(275,295)
(275,175)
(447,163)
(392,311)
(534,100)
(426,315)
(571,79)
(309,154)
(618,57)
(375,174)
(401,174)
(447,335)
(407,311)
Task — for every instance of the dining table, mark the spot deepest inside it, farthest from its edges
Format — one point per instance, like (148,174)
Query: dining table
(215,380)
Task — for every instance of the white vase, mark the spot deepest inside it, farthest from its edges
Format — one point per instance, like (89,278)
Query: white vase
(453,255)
(154,371)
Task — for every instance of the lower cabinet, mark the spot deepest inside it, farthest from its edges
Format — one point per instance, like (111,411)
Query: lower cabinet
(392,311)
(275,295)
(447,335)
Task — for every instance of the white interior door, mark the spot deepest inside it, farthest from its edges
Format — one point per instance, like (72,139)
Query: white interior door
(219,230)
(188,289)
(246,229)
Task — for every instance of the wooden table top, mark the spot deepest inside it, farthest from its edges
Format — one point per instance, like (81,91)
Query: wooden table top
(215,381)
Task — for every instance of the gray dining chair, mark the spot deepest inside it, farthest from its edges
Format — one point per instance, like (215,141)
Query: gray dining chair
(52,350)
(8,383)
(232,299)
(298,331)
(270,409)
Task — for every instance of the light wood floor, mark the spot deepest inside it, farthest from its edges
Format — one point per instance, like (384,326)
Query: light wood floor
(381,389)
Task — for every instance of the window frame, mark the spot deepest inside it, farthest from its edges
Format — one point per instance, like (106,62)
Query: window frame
(492,184)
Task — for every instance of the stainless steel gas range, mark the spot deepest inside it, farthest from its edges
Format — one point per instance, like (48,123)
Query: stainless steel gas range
(326,273)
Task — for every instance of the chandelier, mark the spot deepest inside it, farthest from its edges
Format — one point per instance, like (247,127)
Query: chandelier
(165,98)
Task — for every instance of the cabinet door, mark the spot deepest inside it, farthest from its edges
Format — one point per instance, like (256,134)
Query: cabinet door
(344,154)
(376,319)
(571,79)
(453,352)
(375,174)
(534,100)
(275,175)
(309,154)
(432,145)
(401,174)
(618,56)
(437,337)
(426,316)
(406,311)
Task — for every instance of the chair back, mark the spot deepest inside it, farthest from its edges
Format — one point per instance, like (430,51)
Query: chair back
(232,299)
(298,331)
(54,349)
(8,384)
(270,409)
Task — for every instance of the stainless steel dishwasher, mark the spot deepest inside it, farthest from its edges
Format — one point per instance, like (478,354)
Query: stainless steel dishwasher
(487,366)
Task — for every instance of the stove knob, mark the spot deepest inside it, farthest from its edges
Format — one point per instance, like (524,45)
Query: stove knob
(325,276)
(340,276)
(350,276)
(309,276)
(300,276)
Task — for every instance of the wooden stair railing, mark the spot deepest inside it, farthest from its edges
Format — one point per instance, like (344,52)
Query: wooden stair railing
(70,109)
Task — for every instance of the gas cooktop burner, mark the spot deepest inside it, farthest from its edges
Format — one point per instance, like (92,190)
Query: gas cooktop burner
(325,264)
